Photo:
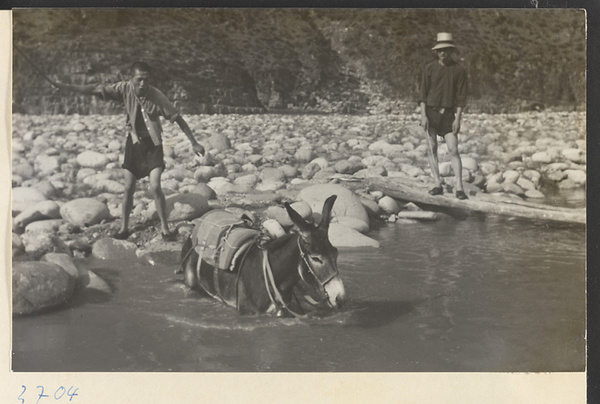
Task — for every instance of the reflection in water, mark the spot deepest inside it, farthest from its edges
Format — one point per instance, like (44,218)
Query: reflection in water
(481,294)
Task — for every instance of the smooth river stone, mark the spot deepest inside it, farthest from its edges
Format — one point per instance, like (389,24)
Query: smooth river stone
(39,285)
(84,212)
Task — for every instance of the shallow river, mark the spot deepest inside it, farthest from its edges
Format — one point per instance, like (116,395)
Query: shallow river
(474,294)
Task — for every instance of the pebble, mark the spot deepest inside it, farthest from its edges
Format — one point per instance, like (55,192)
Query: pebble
(577,176)
(92,159)
(181,207)
(510,176)
(541,157)
(534,194)
(574,155)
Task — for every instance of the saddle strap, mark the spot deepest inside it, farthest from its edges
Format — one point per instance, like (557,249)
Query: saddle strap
(198,275)
(272,290)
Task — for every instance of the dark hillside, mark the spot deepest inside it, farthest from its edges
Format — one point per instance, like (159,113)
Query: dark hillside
(225,61)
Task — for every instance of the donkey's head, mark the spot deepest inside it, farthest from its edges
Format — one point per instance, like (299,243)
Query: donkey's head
(320,257)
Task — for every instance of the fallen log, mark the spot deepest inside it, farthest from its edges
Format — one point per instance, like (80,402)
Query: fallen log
(414,191)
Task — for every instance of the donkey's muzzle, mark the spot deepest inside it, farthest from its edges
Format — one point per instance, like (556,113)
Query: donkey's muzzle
(336,293)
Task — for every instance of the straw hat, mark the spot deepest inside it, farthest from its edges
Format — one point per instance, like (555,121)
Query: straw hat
(444,40)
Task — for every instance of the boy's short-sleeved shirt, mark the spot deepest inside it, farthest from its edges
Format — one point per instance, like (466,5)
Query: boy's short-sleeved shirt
(444,86)
(153,105)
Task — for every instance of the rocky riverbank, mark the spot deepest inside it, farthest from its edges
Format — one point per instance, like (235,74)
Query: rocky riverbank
(67,180)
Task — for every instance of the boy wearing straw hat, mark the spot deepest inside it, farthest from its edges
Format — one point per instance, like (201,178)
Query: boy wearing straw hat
(443,95)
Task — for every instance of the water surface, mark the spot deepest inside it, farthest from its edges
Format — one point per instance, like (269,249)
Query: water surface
(479,294)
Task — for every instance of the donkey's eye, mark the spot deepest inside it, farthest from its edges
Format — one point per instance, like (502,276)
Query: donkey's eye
(316,259)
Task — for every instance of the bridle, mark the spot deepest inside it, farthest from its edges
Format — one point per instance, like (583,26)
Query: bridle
(321,280)
(275,294)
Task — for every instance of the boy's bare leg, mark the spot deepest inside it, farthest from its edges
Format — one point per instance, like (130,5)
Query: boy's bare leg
(159,199)
(127,205)
(452,142)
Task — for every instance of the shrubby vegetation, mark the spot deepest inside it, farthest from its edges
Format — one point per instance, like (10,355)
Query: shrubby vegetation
(338,60)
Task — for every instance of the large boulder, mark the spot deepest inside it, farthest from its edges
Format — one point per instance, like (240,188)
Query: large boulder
(280,214)
(182,207)
(39,285)
(342,236)
(346,204)
(84,212)
(351,222)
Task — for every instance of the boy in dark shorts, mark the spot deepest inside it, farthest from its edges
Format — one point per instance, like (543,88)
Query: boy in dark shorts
(443,96)
(144,105)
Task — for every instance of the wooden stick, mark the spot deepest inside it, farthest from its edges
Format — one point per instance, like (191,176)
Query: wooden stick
(35,67)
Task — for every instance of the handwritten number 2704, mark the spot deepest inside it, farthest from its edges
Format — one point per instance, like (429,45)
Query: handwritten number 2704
(58,394)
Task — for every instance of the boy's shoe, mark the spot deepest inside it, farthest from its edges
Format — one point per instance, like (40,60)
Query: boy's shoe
(436,191)
(461,195)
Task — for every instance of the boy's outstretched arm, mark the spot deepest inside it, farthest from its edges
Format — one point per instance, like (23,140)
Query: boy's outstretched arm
(196,147)
(85,89)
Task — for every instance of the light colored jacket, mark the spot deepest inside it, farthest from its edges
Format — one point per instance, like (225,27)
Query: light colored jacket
(153,105)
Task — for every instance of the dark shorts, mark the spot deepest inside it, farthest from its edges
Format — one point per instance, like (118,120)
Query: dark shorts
(440,124)
(143,157)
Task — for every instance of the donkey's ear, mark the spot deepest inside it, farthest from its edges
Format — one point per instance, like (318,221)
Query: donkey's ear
(302,225)
(326,215)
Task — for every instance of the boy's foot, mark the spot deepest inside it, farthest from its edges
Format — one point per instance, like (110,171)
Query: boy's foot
(121,235)
(461,195)
(436,191)
(170,236)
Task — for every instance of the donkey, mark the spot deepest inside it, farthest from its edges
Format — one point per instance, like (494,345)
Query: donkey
(266,276)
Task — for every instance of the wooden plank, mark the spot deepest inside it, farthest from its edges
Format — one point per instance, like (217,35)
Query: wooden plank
(415,191)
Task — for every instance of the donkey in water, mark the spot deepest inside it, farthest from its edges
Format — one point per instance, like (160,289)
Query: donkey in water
(265,278)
